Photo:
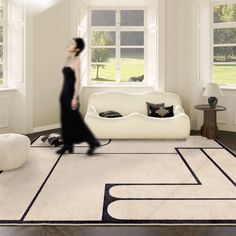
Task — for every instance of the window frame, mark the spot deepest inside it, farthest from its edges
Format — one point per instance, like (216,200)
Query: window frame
(117,29)
(214,26)
(4,44)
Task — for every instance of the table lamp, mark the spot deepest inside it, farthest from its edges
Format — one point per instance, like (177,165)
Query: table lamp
(212,91)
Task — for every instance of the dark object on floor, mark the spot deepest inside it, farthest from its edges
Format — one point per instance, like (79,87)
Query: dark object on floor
(136,79)
(52,139)
(69,147)
(92,148)
(110,114)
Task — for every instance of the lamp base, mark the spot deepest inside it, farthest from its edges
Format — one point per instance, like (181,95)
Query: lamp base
(212,101)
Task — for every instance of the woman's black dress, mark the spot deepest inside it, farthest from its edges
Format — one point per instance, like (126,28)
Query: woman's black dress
(74,130)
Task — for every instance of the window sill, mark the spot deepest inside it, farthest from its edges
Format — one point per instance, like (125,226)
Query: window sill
(118,85)
(2,89)
(225,87)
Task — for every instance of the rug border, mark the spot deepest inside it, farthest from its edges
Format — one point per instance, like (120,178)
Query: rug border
(203,222)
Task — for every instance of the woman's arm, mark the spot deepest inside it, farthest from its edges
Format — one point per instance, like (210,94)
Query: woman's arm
(77,77)
(75,99)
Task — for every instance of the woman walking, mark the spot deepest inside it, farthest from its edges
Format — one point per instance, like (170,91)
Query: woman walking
(74,130)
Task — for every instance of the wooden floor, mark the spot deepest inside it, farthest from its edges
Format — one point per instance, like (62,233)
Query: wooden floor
(227,138)
(117,231)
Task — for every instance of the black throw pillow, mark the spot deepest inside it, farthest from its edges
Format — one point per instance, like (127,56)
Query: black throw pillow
(162,112)
(110,114)
(153,106)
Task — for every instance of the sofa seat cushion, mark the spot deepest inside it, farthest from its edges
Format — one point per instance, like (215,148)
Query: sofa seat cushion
(139,126)
(126,103)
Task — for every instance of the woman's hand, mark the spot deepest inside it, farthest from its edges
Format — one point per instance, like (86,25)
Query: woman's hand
(74,104)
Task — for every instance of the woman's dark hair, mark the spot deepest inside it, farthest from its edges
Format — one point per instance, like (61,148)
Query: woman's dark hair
(79,44)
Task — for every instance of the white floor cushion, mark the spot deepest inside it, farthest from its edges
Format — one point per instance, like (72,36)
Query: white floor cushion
(14,150)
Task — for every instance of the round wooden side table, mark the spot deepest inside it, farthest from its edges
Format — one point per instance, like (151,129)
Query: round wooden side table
(209,128)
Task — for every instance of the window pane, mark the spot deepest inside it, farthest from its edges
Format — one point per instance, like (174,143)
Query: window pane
(132,18)
(132,54)
(224,74)
(1,9)
(224,13)
(1,72)
(103,38)
(103,18)
(131,72)
(132,38)
(103,55)
(224,54)
(1,34)
(1,54)
(104,73)
(222,36)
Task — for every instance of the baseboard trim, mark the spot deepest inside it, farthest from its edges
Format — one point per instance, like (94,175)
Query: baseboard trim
(46,128)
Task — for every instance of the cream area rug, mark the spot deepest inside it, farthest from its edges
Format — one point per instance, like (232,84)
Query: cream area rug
(127,182)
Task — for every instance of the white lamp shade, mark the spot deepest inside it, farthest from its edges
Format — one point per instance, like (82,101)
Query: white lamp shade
(212,90)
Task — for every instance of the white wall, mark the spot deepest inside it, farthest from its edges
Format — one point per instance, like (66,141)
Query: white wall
(171,46)
(183,53)
(178,58)
(7,111)
(51,35)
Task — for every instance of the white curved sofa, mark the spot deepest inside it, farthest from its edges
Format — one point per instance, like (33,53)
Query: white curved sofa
(135,124)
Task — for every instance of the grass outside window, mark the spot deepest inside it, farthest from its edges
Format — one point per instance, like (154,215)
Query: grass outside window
(224,74)
(107,72)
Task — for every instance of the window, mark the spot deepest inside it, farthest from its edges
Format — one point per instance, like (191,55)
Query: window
(117,46)
(1,40)
(224,43)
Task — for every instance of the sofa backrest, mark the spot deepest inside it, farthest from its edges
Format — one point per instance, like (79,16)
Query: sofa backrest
(125,103)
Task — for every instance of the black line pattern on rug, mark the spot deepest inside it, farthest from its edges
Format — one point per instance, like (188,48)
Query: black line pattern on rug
(225,147)
(108,199)
(138,153)
(186,163)
(40,189)
(222,171)
(37,194)
(108,220)
(35,139)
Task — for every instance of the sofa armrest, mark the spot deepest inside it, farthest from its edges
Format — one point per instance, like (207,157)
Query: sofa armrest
(92,111)
(178,110)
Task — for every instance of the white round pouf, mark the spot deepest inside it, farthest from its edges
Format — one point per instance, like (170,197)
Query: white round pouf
(14,150)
